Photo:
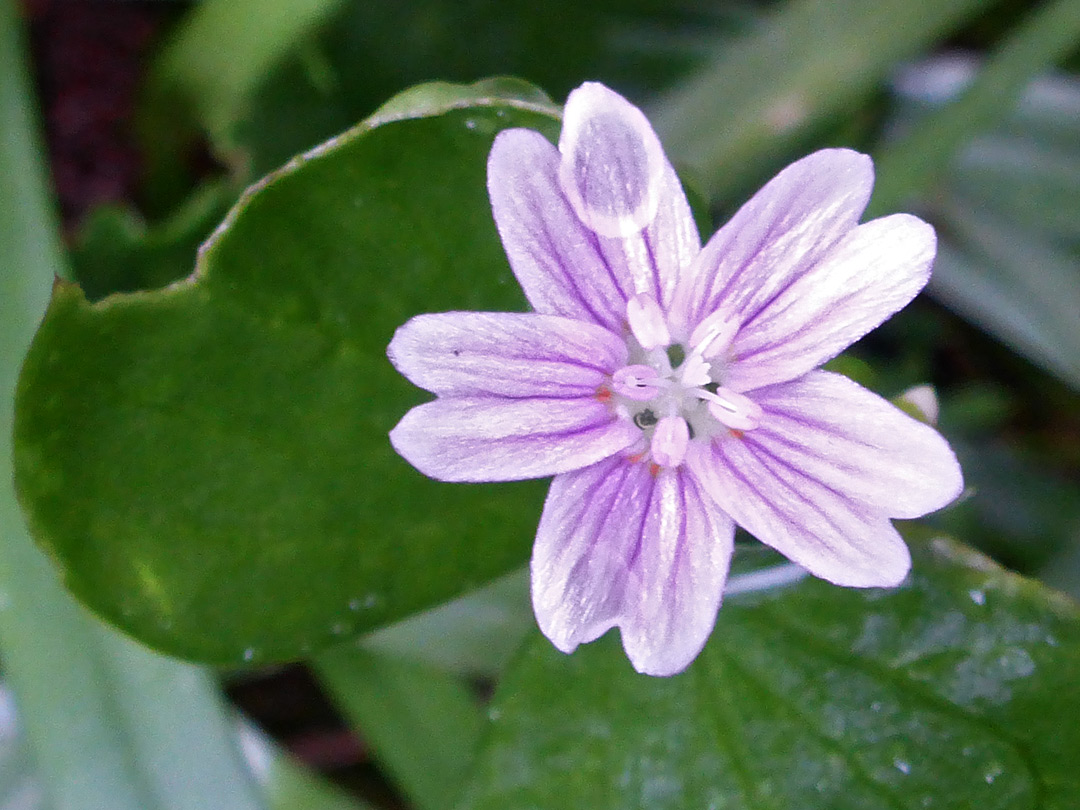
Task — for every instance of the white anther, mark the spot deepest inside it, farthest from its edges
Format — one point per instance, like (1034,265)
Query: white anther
(638,382)
(713,335)
(669,441)
(731,409)
(647,322)
(694,372)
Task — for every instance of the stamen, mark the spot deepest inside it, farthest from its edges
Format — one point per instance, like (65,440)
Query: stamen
(638,382)
(647,322)
(694,372)
(669,441)
(731,409)
(713,335)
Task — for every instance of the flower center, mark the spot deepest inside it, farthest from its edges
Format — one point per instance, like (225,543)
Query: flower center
(675,393)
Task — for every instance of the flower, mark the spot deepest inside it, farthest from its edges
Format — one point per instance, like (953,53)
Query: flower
(673,389)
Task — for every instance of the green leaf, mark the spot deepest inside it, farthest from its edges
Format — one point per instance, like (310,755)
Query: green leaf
(422,725)
(209,464)
(476,634)
(371,50)
(1007,204)
(117,251)
(224,48)
(956,690)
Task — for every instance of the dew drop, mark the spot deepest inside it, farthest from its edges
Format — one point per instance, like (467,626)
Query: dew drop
(354,604)
(249,654)
(470,123)
(993,772)
(902,766)
(977,596)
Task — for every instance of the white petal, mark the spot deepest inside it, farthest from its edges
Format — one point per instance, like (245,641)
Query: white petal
(507,354)
(833,536)
(858,444)
(565,266)
(555,257)
(590,526)
(873,272)
(777,236)
(494,439)
(620,546)
(678,577)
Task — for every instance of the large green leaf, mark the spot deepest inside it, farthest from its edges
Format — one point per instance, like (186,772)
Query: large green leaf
(957,690)
(209,464)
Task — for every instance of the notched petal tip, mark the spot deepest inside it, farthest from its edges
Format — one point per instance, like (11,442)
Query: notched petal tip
(612,163)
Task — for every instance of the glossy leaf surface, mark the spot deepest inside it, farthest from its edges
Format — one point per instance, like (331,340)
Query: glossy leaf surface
(209,463)
(948,692)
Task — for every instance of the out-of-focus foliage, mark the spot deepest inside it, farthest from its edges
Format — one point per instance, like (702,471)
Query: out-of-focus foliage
(208,463)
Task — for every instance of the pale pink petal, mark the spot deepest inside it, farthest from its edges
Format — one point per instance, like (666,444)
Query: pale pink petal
(777,236)
(833,535)
(677,578)
(856,443)
(496,439)
(566,266)
(507,354)
(556,259)
(591,524)
(873,272)
(620,546)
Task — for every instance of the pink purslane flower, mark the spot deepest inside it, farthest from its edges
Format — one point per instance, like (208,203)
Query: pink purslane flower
(672,389)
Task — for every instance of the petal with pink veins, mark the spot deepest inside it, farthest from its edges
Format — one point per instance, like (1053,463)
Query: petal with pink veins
(831,534)
(777,236)
(872,273)
(506,354)
(496,439)
(621,546)
(565,266)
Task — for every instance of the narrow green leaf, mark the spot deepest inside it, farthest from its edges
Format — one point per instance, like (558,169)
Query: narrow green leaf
(474,635)
(1015,286)
(288,784)
(209,463)
(224,48)
(812,60)
(956,690)
(109,725)
(905,167)
(423,725)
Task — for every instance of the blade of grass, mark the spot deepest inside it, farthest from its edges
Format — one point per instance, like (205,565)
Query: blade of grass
(225,47)
(814,58)
(423,725)
(1049,34)
(109,724)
